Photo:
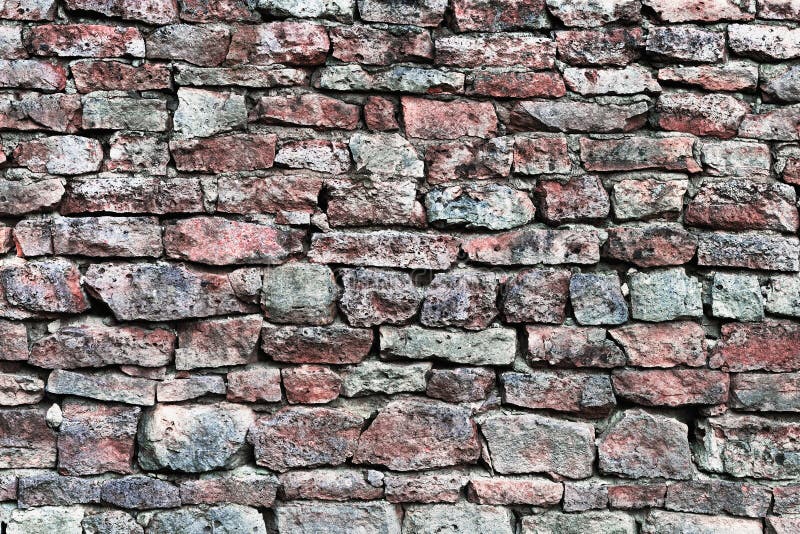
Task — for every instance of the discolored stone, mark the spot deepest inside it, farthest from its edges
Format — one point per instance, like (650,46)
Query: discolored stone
(615,46)
(465,299)
(534,444)
(585,394)
(47,285)
(203,45)
(462,384)
(50,489)
(461,517)
(309,109)
(764,42)
(736,296)
(424,487)
(417,12)
(103,385)
(562,116)
(374,46)
(66,154)
(639,444)
(217,342)
(671,387)
(495,50)
(633,153)
(491,206)
(718,497)
(653,245)
(662,344)
(597,299)
(712,114)
(503,15)
(685,43)
(385,248)
(371,297)
(318,155)
(664,294)
(162,291)
(181,389)
(13,341)
(96,438)
(299,436)
(107,236)
(579,198)
(224,518)
(124,193)
(649,198)
(433,119)
(87,40)
(374,200)
(25,439)
(382,153)
(592,521)
(772,346)
(531,246)
(493,346)
(730,76)
(316,516)
(287,42)
(203,113)
(243,486)
(376,377)
(140,492)
(299,292)
(748,250)
(28,193)
(194,437)
(332,484)
(104,111)
(337,343)
(528,490)
(573,347)
(254,383)
(444,435)
(310,384)
(225,153)
(536,296)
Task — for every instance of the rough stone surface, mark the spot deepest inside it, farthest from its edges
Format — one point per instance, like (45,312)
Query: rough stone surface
(663,295)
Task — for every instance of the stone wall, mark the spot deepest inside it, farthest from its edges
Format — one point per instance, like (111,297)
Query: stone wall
(384,266)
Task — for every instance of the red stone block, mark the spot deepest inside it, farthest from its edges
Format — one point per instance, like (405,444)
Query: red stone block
(514,84)
(372,46)
(434,119)
(310,384)
(227,153)
(380,114)
(85,40)
(310,109)
(292,43)
(117,76)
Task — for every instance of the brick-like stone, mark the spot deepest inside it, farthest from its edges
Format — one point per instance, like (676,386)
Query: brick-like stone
(67,154)
(332,484)
(28,193)
(464,299)
(218,11)
(373,46)
(13,341)
(764,42)
(563,116)
(535,444)
(730,76)
(34,111)
(320,516)
(47,285)
(626,81)
(235,152)
(315,154)
(140,492)
(483,15)
(459,160)
(664,294)
(748,250)
(585,394)
(424,487)
(226,518)
(597,521)
(309,109)
(135,152)
(398,78)
(371,297)
(337,344)
(107,236)
(633,153)
(245,486)
(29,10)
(649,198)
(653,245)
(634,496)
(639,444)
(375,377)
(201,45)
(254,383)
(579,198)
(384,248)
(278,194)
(434,119)
(779,82)
(747,446)
(492,206)
(532,246)
(536,296)
(736,158)
(217,342)
(736,296)
(685,43)
(32,74)
(150,11)
(615,46)
(375,200)
(597,299)
(304,437)
(444,435)
(105,111)
(783,295)
(495,50)
(671,387)
(712,114)
(96,438)
(417,12)
(310,384)
(194,438)
(496,490)
(462,384)
(692,10)
(744,205)
(86,40)
(50,489)
(586,13)
(573,347)
(386,154)
(299,292)
(181,389)
(662,344)
(771,346)
(124,193)
(291,43)
(341,10)
(493,346)
(501,83)
(105,386)
(202,113)
(243,75)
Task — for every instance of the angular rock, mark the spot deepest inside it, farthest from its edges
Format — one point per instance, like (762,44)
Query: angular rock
(315,516)
(372,46)
(181,389)
(780,82)
(245,487)
(496,490)
(433,119)
(648,198)
(692,10)
(582,496)
(662,344)
(461,517)
(664,294)
(104,111)
(341,10)
(136,152)
(299,436)
(310,384)
(107,236)
(639,444)
(385,248)
(536,296)
(378,200)
(140,493)
(480,15)
(123,193)
(32,74)
(315,154)
(653,245)
(783,295)
(288,42)
(66,154)
(573,347)
(45,519)
(495,50)
(203,45)
(397,78)
(14,342)
(772,346)
(749,250)
(93,75)
(531,246)
(579,198)
(615,46)
(332,484)
(35,111)
(718,497)
(417,12)
(425,487)
(217,342)
(634,496)
(671,387)
(337,344)
(633,153)
(747,446)
(712,114)
(309,109)
(736,158)
(202,113)
(50,489)
(444,435)
(462,160)
(491,206)
(380,114)
(162,291)
(221,10)
(736,296)
(493,346)
(86,40)
(104,386)
(47,285)
(28,193)
(772,124)
(597,299)
(764,42)
(226,153)
(585,394)
(371,297)
(563,116)
(741,204)
(462,384)
(587,14)
(293,193)
(388,154)
(376,377)
(534,444)
(224,518)
(96,438)
(686,43)
(254,383)
(218,241)
(299,293)
(464,299)
(626,81)
(193,437)
(242,75)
